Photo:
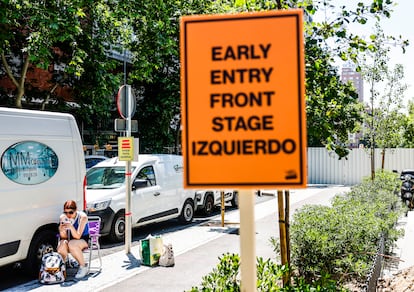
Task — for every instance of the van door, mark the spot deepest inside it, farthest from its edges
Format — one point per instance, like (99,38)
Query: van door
(145,202)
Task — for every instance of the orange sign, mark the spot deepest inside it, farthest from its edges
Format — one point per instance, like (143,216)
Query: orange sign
(243,101)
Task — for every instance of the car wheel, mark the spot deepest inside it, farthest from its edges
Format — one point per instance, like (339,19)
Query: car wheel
(209,204)
(187,213)
(42,243)
(117,233)
(235,200)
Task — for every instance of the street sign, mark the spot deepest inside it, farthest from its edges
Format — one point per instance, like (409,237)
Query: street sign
(243,100)
(125,102)
(120,125)
(126,148)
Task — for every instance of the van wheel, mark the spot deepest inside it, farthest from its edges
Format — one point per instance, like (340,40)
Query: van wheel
(235,200)
(42,243)
(117,233)
(187,213)
(209,204)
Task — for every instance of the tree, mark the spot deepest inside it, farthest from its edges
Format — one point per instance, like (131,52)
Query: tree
(409,127)
(30,31)
(332,107)
(72,41)
(325,96)
(389,117)
(149,30)
(156,70)
(383,120)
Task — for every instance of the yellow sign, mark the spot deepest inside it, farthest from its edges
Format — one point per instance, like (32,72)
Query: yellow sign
(243,100)
(126,148)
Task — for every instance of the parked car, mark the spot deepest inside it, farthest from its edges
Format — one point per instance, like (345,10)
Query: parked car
(207,200)
(157,193)
(92,160)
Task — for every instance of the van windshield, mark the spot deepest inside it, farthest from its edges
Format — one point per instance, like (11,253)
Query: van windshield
(106,177)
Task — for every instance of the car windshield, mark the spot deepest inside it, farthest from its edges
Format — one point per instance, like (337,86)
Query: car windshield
(106,177)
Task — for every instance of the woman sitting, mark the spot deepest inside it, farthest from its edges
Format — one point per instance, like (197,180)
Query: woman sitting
(74,233)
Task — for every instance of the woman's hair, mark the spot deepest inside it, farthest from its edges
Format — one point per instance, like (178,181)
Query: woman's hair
(70,205)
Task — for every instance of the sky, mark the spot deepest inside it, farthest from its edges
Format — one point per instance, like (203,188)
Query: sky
(398,24)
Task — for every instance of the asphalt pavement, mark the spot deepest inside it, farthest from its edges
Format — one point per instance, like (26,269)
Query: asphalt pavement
(197,250)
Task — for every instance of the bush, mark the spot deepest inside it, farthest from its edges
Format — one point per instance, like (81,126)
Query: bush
(329,245)
(342,240)
(225,278)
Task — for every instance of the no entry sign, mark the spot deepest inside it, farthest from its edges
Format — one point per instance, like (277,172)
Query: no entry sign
(243,106)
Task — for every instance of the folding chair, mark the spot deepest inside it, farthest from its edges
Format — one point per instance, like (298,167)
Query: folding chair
(94,223)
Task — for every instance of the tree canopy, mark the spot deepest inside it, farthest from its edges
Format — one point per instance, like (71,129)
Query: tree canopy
(86,31)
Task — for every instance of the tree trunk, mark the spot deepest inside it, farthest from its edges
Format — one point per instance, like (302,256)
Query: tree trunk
(18,83)
(48,96)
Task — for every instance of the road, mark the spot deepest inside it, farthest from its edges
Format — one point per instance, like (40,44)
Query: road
(197,247)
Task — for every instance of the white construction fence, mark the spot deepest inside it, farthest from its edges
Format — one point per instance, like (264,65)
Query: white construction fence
(325,168)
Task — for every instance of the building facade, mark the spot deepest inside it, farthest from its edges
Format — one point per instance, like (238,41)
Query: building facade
(349,74)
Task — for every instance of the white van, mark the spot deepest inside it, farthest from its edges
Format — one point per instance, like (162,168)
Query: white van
(207,200)
(42,166)
(157,192)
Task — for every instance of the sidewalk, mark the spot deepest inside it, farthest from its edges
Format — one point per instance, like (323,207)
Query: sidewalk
(403,252)
(196,251)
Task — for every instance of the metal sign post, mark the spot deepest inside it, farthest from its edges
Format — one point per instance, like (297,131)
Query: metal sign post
(126,106)
(222,208)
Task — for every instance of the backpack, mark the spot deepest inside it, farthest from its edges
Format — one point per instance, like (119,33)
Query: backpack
(52,269)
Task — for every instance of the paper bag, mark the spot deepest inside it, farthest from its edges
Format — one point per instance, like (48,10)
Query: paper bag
(150,250)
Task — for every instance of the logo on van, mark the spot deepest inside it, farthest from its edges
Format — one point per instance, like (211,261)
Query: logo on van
(29,163)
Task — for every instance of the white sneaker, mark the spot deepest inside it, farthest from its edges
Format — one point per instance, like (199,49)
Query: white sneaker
(81,272)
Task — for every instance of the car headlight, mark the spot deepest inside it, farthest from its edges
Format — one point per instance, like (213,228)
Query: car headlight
(97,206)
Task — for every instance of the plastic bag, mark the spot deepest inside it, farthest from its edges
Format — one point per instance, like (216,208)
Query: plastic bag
(167,257)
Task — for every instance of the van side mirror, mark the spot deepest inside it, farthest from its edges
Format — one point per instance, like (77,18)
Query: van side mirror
(139,184)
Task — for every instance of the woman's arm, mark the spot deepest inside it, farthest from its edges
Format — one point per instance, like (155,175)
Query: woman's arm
(63,233)
(77,234)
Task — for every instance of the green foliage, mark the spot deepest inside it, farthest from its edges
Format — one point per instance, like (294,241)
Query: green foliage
(225,277)
(86,30)
(332,107)
(156,69)
(408,134)
(384,123)
(342,239)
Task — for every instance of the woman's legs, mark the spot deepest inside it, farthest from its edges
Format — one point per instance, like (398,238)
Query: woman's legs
(75,248)
(63,249)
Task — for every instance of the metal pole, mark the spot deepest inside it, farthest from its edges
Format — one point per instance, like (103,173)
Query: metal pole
(222,208)
(128,183)
(247,241)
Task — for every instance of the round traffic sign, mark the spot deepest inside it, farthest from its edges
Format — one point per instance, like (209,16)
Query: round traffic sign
(126,102)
